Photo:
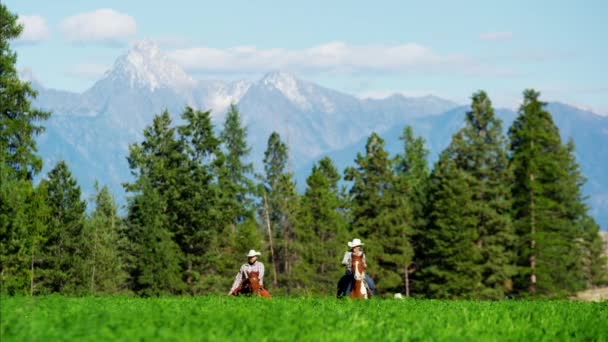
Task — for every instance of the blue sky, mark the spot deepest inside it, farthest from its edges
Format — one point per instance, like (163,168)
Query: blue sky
(446,48)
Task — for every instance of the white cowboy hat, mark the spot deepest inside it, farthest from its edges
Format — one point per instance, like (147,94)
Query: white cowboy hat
(355,243)
(253,253)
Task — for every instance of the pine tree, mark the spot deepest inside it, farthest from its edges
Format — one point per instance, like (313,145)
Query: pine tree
(381,215)
(321,231)
(22,229)
(152,257)
(107,273)
(20,208)
(235,189)
(157,165)
(18,126)
(547,203)
(450,267)
(201,210)
(66,249)
(412,174)
(238,186)
(479,149)
(279,208)
(588,271)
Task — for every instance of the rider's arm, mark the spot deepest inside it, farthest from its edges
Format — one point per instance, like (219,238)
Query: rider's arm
(346,259)
(237,281)
(364,262)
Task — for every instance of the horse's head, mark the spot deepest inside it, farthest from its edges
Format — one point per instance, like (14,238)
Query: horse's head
(358,265)
(358,291)
(254,282)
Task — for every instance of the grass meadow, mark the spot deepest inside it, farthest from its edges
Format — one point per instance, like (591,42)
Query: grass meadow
(216,318)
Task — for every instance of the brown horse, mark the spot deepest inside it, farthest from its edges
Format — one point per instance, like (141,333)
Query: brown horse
(359,290)
(252,286)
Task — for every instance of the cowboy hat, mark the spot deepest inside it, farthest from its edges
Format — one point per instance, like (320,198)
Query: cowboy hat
(355,243)
(253,253)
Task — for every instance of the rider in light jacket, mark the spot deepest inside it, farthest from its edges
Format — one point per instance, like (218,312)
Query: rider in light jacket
(253,265)
(345,283)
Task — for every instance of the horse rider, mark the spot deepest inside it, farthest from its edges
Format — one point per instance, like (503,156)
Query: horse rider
(346,282)
(252,265)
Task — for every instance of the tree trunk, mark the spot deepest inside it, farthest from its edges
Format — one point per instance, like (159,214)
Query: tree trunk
(92,287)
(267,217)
(407,281)
(532,285)
(32,274)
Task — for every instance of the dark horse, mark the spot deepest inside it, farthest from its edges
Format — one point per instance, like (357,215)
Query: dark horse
(252,286)
(359,290)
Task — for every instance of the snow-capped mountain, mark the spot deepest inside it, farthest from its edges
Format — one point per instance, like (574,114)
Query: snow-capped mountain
(92,130)
(145,66)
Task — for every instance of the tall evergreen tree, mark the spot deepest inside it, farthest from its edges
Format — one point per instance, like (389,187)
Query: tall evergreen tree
(157,164)
(450,265)
(238,185)
(235,188)
(201,211)
(321,230)
(152,257)
(18,126)
(20,209)
(381,215)
(66,249)
(547,203)
(412,174)
(479,149)
(279,209)
(107,269)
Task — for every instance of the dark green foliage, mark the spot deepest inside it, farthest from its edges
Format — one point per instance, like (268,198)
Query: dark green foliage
(63,266)
(18,126)
(550,215)
(23,218)
(479,149)
(201,211)
(450,267)
(279,209)
(237,187)
(153,258)
(412,174)
(381,215)
(103,229)
(22,208)
(321,231)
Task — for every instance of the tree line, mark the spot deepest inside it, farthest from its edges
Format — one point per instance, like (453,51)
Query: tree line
(497,216)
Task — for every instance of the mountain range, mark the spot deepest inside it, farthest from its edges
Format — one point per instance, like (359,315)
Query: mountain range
(92,130)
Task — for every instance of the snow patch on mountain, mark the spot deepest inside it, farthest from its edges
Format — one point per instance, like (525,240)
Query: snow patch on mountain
(144,65)
(221,95)
(289,86)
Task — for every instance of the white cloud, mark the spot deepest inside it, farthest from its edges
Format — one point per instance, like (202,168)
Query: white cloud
(87,70)
(333,56)
(496,36)
(104,26)
(34,29)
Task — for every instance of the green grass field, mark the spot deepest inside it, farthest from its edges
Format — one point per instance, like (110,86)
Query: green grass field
(285,319)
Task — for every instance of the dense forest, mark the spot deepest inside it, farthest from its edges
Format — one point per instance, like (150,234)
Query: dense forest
(495,217)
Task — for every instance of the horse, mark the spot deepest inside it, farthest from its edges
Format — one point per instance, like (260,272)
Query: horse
(359,289)
(252,286)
